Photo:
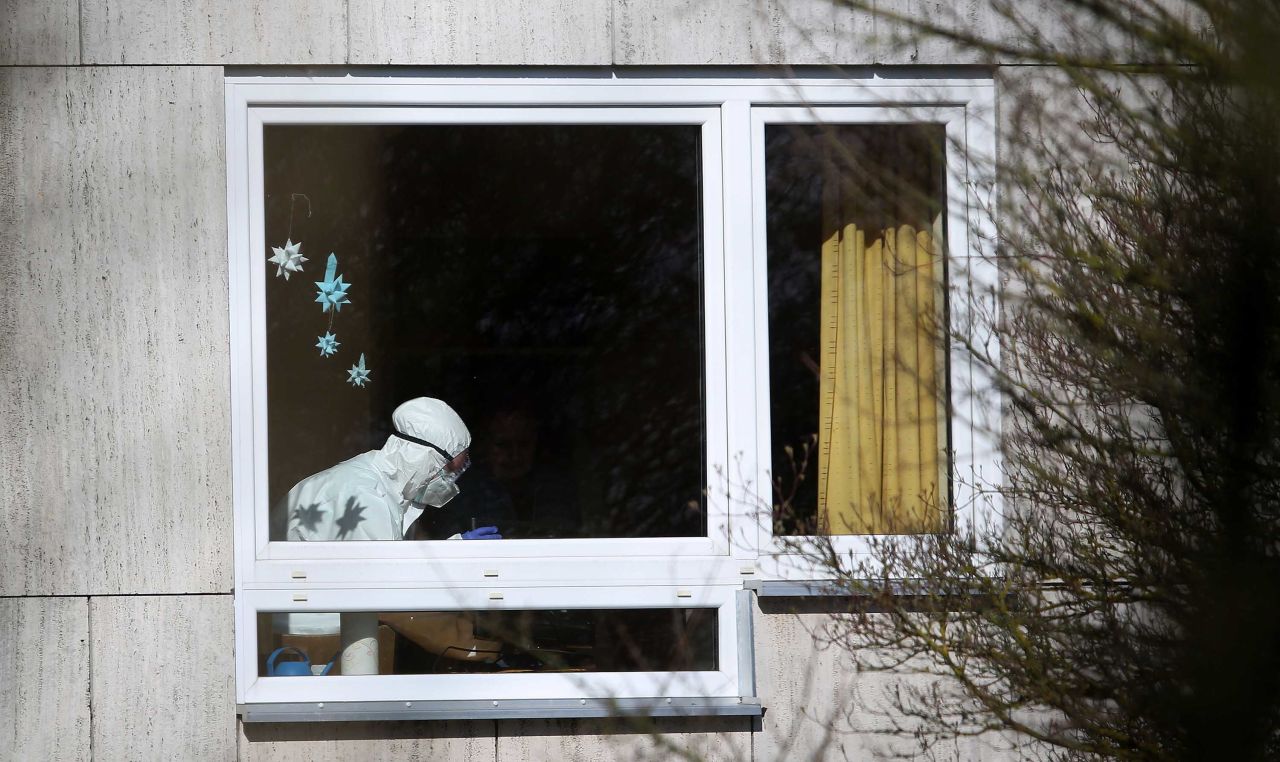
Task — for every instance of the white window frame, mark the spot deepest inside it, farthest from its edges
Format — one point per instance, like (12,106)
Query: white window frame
(972,276)
(585,573)
(402,562)
(722,682)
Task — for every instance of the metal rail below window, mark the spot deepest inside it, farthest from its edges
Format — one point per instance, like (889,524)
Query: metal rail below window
(795,589)
(746,706)
(902,588)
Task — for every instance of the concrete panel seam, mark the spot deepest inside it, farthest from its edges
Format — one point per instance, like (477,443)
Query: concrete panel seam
(88,621)
(80,35)
(115,595)
(120,66)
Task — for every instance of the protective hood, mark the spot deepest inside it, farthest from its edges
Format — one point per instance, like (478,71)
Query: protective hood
(411,465)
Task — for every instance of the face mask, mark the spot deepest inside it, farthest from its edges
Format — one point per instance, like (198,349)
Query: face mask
(439,491)
(440,487)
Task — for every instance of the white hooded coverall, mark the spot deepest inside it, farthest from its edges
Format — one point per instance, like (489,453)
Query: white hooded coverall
(364,498)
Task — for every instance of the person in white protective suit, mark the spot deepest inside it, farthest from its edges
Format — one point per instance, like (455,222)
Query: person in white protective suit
(377,495)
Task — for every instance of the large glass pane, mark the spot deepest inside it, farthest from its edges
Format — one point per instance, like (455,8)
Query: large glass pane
(855,217)
(448,642)
(543,280)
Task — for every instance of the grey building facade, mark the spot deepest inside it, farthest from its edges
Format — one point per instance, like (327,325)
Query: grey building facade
(116,602)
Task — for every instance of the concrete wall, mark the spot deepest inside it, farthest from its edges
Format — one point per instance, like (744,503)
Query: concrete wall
(116,578)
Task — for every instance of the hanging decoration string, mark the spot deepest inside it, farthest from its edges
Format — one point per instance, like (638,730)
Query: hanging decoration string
(293,199)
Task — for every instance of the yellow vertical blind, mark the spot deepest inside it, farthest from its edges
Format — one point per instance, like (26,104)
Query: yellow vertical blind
(880,438)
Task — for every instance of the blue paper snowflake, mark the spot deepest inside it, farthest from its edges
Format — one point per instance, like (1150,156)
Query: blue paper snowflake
(333,292)
(358,375)
(328,344)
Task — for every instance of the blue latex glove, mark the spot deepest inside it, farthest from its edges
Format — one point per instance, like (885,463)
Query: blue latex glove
(482,533)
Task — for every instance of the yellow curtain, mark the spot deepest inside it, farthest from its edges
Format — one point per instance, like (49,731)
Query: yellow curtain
(880,436)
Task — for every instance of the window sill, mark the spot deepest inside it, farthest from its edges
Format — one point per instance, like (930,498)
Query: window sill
(745,706)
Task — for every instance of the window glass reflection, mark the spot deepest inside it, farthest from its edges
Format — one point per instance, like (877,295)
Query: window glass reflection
(543,280)
(477,642)
(855,217)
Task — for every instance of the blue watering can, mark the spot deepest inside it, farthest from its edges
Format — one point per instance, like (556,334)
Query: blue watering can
(293,668)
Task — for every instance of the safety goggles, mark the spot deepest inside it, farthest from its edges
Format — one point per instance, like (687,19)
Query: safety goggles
(443,453)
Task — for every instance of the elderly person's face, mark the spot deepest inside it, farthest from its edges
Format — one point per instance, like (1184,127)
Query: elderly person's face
(511,445)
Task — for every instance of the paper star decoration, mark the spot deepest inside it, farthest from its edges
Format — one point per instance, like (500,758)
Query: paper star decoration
(358,376)
(333,292)
(328,344)
(287,259)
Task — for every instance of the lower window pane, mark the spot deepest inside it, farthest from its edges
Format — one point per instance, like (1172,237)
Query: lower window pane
(486,642)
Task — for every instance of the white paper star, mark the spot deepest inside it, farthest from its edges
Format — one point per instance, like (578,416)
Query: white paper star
(358,376)
(287,259)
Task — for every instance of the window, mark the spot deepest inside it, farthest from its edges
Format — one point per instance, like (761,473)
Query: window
(556,304)
(637,294)
(489,641)
(873,227)
(855,221)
